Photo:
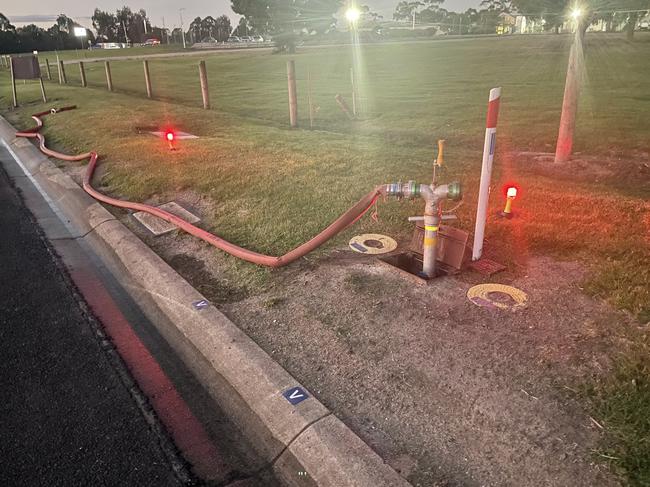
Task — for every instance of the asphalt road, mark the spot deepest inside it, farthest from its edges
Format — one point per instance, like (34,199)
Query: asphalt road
(67,414)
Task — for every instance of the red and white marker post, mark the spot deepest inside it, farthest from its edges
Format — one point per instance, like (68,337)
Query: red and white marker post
(486,171)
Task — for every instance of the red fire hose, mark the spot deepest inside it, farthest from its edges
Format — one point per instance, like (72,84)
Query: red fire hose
(345,220)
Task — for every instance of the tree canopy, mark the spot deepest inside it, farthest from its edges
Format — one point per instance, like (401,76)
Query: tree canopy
(284,20)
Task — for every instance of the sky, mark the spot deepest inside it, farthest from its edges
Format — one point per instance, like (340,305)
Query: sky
(39,11)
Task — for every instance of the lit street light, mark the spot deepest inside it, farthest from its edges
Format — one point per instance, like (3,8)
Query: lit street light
(352,14)
(80,32)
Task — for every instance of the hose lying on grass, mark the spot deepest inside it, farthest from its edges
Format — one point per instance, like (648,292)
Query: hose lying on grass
(340,224)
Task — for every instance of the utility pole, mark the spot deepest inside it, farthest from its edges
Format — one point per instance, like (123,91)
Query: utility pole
(413,26)
(165,35)
(180,11)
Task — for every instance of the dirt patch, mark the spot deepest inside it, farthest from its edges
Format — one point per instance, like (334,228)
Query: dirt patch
(448,392)
(611,169)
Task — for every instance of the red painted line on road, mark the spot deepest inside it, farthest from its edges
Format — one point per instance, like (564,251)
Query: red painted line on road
(189,435)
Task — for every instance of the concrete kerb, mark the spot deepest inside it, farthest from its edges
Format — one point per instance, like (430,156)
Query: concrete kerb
(306,444)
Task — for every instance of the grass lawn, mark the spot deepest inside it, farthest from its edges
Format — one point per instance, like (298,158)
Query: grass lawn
(272,188)
(80,55)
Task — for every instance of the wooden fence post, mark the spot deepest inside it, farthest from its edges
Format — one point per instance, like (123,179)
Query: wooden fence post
(47,69)
(293,99)
(203,75)
(147,78)
(354,92)
(62,79)
(40,80)
(82,74)
(310,101)
(109,78)
(13,84)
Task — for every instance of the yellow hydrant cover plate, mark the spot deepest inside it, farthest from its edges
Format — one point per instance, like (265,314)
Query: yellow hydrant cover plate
(497,296)
(372,244)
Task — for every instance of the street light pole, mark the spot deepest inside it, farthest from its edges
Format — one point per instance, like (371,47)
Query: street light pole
(180,11)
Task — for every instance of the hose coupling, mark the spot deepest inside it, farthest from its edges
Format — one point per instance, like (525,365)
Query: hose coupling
(403,190)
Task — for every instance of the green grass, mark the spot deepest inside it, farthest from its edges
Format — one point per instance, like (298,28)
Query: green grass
(273,188)
(622,403)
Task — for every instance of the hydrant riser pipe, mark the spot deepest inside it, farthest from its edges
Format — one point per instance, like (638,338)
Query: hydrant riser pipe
(433,196)
(431,226)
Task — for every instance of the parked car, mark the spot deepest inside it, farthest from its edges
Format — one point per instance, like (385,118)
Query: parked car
(151,42)
(257,38)
(246,39)
(233,39)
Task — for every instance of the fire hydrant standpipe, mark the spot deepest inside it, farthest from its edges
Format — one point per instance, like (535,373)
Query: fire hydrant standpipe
(433,197)
(340,224)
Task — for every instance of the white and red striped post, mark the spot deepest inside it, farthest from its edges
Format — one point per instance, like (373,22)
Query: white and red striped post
(486,171)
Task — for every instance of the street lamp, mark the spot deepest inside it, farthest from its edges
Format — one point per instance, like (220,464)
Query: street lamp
(352,15)
(80,32)
(180,11)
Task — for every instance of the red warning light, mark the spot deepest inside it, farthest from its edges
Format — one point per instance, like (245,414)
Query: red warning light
(170,137)
(510,191)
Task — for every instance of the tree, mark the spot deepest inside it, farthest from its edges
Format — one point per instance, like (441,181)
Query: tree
(208,28)
(243,28)
(632,11)
(106,25)
(195,29)
(134,24)
(222,28)
(286,19)
(497,5)
(405,9)
(5,25)
(553,12)
(65,23)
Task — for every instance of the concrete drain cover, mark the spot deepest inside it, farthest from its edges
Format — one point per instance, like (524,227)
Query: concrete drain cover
(158,226)
(177,135)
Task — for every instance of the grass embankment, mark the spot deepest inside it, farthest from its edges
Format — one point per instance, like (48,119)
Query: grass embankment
(273,188)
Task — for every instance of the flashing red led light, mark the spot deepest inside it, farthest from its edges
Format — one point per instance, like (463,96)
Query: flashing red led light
(511,192)
(169,136)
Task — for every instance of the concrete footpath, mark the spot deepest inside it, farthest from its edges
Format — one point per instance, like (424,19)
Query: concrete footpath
(68,416)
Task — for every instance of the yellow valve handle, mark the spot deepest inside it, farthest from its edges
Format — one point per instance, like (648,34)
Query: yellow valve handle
(441,150)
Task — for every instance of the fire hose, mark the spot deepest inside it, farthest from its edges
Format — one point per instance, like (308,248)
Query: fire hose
(345,220)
